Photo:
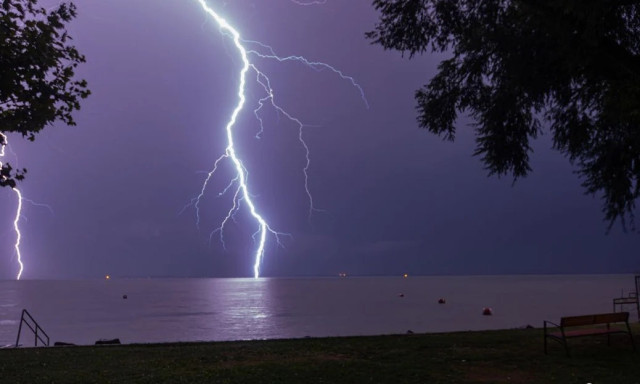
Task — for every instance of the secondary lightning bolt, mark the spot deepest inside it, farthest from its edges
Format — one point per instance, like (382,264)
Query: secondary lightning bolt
(242,191)
(16,220)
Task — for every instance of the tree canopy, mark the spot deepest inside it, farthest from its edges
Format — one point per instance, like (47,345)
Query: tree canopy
(518,66)
(37,68)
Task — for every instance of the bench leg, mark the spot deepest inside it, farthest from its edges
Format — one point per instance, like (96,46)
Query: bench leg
(633,344)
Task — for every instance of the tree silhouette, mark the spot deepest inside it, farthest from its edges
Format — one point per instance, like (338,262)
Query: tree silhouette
(37,66)
(517,66)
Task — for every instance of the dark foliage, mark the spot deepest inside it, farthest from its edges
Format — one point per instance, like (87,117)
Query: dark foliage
(37,65)
(519,65)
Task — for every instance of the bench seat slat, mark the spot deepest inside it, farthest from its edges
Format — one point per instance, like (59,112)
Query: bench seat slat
(602,318)
(587,332)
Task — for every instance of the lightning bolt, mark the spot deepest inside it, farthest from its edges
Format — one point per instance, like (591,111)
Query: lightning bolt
(241,193)
(230,151)
(16,220)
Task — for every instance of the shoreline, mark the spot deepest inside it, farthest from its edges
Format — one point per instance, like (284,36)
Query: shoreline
(112,342)
(497,356)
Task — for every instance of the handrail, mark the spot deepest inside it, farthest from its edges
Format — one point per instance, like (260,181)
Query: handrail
(35,328)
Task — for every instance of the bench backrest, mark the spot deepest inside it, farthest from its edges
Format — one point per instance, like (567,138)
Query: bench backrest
(603,318)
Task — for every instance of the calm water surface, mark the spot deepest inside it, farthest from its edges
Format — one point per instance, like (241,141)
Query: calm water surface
(157,310)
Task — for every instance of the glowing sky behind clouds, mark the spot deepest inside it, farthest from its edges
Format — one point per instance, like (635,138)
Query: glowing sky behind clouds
(397,199)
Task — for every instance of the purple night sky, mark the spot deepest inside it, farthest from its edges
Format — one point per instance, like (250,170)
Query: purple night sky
(395,198)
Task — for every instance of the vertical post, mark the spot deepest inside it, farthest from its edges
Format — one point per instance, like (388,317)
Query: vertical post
(638,296)
(564,339)
(545,337)
(20,328)
(633,344)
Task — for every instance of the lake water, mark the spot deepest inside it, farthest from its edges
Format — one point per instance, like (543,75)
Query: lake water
(158,310)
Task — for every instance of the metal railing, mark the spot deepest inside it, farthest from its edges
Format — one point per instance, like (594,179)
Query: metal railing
(33,325)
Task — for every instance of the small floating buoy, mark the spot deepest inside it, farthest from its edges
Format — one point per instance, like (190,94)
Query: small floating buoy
(487,311)
(401,295)
(124,297)
(441,301)
(409,332)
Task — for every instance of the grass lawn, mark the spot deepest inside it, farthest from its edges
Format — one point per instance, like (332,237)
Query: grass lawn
(508,356)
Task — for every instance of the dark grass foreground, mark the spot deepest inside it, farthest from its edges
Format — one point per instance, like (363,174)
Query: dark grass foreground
(509,356)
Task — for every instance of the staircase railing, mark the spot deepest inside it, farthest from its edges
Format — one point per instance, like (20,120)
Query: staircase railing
(33,325)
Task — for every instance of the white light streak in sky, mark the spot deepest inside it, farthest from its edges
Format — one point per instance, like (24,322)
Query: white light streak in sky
(16,220)
(240,181)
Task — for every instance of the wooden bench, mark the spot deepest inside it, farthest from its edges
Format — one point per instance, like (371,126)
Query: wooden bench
(587,325)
